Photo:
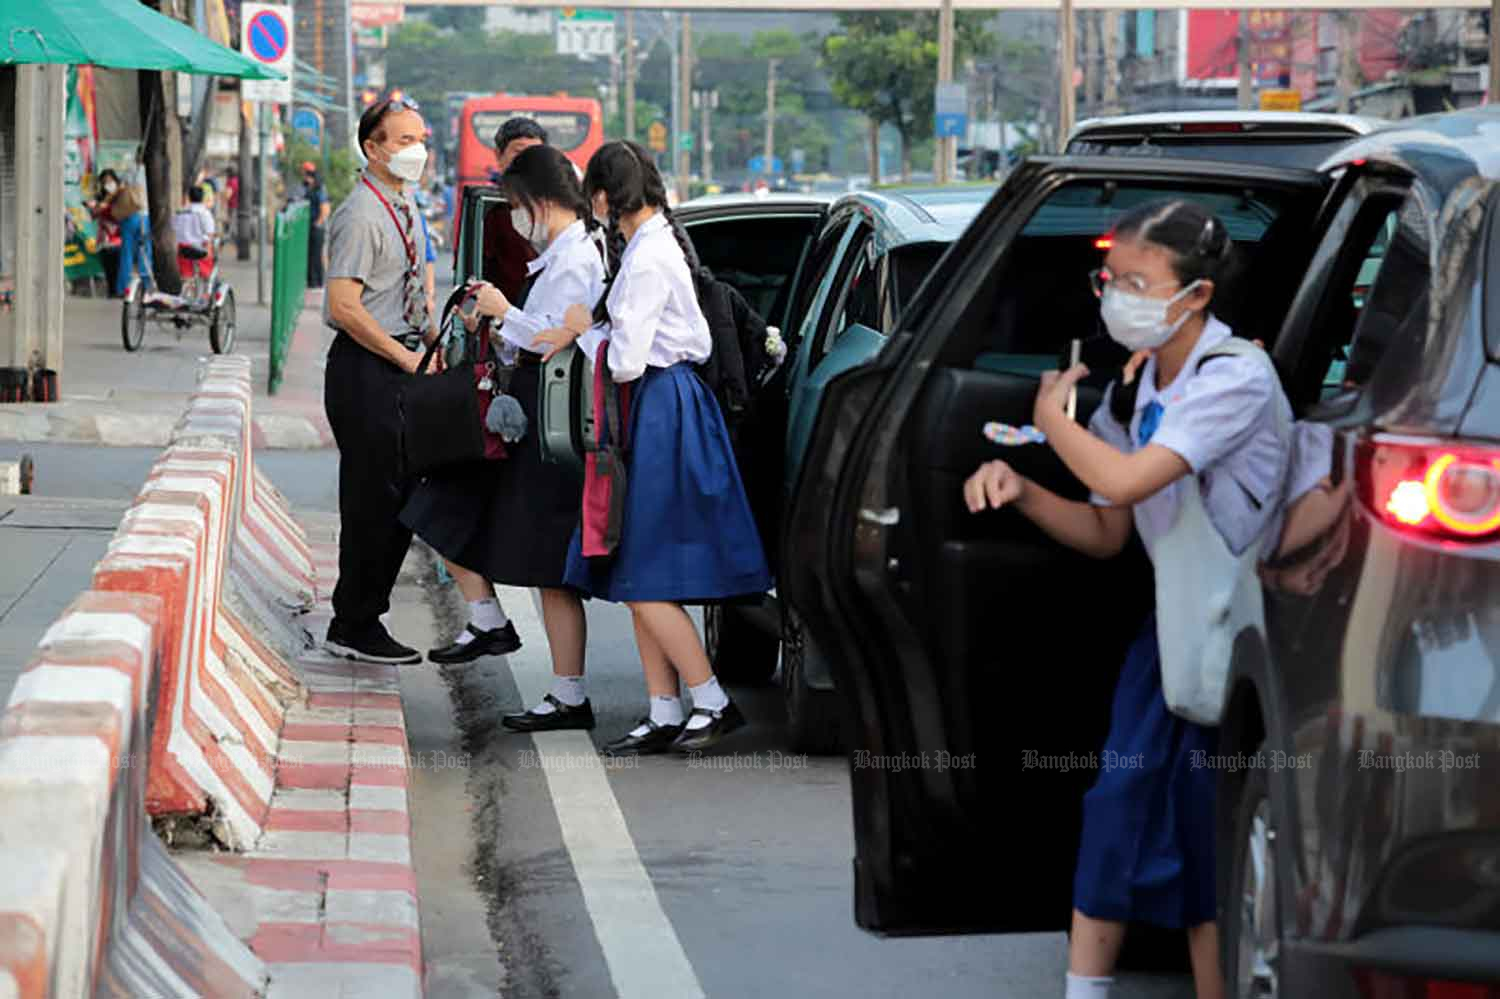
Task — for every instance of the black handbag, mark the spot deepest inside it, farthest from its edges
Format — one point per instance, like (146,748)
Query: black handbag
(443,415)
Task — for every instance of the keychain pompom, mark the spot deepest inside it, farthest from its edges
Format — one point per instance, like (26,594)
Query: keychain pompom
(1008,436)
(506,418)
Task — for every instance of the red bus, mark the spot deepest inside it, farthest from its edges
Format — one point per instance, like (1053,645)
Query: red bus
(574,125)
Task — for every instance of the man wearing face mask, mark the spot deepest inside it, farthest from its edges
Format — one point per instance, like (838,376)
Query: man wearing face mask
(378,303)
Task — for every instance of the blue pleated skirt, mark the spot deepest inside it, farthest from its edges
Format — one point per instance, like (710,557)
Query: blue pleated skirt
(1147,852)
(687,535)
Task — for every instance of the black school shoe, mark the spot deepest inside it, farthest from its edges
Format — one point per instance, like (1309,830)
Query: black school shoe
(562,717)
(723,721)
(496,642)
(657,740)
(370,644)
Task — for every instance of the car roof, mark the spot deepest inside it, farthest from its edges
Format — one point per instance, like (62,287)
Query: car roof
(738,200)
(919,214)
(1266,124)
(1444,150)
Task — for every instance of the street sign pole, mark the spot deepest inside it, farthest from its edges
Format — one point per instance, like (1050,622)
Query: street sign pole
(263,210)
(947,147)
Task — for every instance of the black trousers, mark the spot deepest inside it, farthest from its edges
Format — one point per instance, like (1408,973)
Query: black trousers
(360,394)
(315,256)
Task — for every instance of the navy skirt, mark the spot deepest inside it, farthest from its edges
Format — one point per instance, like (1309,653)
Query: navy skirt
(1147,852)
(687,535)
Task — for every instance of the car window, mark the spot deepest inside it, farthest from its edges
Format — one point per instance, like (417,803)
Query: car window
(1398,302)
(1042,299)
(854,287)
(819,277)
(910,266)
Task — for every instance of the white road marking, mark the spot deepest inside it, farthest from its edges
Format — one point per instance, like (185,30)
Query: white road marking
(644,955)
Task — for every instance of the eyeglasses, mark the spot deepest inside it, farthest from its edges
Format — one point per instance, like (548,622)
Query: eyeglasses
(1101,278)
(378,111)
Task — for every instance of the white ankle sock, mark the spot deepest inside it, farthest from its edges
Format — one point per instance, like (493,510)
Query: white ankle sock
(664,711)
(1084,987)
(568,689)
(486,615)
(710,695)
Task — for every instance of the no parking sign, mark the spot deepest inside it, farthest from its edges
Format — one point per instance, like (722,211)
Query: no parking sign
(266,37)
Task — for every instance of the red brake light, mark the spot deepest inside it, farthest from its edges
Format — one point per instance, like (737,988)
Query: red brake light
(1104,242)
(1446,491)
(1385,985)
(1203,127)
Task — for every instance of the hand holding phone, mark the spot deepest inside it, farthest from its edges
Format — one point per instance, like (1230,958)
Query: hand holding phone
(1075,353)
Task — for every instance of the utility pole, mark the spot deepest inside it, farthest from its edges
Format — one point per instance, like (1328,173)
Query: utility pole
(242,211)
(1066,105)
(947,147)
(1348,60)
(706,100)
(1111,61)
(1493,96)
(770,119)
(682,158)
(674,46)
(630,74)
(1093,82)
(1247,85)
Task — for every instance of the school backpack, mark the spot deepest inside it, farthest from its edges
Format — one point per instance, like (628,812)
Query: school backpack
(738,358)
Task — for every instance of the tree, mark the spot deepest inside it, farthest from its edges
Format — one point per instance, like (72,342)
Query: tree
(885,65)
(464,20)
(161,142)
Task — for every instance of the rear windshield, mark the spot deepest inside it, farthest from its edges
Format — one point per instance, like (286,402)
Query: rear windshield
(566,130)
(1307,153)
(1091,210)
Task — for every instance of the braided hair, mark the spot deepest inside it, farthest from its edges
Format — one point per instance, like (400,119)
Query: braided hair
(1198,242)
(543,174)
(626,175)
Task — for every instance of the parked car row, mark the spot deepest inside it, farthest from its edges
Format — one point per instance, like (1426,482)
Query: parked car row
(1361,824)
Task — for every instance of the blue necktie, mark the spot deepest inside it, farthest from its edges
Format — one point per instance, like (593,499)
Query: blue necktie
(1150,420)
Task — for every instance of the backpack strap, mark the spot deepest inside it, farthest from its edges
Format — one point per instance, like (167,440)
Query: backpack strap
(1122,397)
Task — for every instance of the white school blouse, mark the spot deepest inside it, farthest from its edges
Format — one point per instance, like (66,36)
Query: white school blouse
(1221,422)
(571,273)
(653,308)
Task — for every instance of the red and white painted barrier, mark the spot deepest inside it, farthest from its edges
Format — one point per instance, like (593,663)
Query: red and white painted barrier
(90,904)
(184,685)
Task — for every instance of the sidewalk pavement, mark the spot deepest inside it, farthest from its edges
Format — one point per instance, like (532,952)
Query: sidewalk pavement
(109,396)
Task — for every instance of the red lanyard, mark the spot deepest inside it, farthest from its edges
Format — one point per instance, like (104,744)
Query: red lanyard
(411,253)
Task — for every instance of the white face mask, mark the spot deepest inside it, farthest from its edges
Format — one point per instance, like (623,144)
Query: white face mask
(408,163)
(1137,322)
(522,222)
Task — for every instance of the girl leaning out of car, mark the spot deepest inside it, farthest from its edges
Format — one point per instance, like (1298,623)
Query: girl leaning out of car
(686,533)
(1147,852)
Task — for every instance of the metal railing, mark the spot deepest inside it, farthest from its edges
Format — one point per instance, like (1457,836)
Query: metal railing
(288,285)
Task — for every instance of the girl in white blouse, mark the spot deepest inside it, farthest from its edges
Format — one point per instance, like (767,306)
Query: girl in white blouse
(687,534)
(511,521)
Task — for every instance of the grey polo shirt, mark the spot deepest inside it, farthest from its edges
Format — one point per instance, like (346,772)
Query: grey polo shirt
(364,244)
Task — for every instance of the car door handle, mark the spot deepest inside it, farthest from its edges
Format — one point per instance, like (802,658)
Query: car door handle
(889,517)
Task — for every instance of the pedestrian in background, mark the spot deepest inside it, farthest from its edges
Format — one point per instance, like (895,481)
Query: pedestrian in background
(1204,418)
(127,209)
(318,210)
(377,301)
(686,533)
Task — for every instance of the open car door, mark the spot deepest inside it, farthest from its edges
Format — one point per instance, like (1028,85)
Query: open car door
(978,657)
(488,246)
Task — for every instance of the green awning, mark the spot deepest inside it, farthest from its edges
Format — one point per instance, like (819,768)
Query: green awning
(118,34)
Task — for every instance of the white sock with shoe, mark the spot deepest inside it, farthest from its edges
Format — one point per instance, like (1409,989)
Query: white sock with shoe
(485,615)
(1085,987)
(568,689)
(665,710)
(710,695)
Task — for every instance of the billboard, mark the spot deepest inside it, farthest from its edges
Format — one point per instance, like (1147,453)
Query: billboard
(1208,47)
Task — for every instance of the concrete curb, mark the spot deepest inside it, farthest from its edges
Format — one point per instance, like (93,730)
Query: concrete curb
(111,424)
(186,684)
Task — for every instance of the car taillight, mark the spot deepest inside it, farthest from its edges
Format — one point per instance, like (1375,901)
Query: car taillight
(1383,985)
(1206,127)
(1446,491)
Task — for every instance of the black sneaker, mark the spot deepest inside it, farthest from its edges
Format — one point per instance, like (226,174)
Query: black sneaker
(370,644)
